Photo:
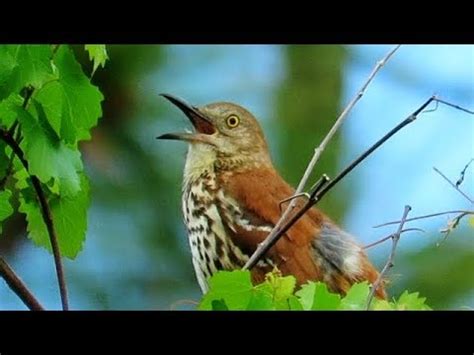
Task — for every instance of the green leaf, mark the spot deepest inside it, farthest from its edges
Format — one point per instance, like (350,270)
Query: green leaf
(411,301)
(8,109)
(219,305)
(294,304)
(72,104)
(306,295)
(69,216)
(233,287)
(283,286)
(316,296)
(7,64)
(98,54)
(261,299)
(323,299)
(25,65)
(381,305)
(47,156)
(5,206)
(356,297)
(51,98)
(4,160)
(21,175)
(273,293)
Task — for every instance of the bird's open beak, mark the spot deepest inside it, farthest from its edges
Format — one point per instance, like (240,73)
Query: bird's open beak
(201,124)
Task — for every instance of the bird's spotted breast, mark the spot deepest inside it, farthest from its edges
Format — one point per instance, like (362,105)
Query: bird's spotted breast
(212,248)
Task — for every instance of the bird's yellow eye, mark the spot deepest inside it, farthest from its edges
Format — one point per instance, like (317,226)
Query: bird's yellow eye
(233,121)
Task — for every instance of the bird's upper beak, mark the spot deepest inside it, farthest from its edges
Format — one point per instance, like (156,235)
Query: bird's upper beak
(201,123)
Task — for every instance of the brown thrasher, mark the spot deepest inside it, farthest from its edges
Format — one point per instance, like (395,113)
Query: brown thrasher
(231,197)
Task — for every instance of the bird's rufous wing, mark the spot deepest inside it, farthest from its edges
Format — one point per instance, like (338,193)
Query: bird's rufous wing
(314,248)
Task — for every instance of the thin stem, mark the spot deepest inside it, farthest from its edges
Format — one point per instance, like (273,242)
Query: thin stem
(463,172)
(425,216)
(18,286)
(456,106)
(380,241)
(452,224)
(46,214)
(453,185)
(262,248)
(389,264)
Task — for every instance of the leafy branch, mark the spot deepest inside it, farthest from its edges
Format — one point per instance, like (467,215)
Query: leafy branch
(46,213)
(53,190)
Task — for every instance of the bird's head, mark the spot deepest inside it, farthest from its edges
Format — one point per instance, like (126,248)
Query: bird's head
(228,129)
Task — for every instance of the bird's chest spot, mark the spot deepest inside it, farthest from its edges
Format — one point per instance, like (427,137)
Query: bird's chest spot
(211,246)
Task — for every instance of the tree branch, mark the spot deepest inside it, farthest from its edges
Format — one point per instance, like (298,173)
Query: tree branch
(425,216)
(46,214)
(389,264)
(17,286)
(267,243)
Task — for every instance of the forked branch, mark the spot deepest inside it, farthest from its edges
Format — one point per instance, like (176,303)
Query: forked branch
(389,264)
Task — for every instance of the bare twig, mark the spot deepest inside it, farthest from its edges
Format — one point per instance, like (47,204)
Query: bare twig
(452,224)
(456,187)
(17,286)
(463,172)
(265,245)
(389,264)
(456,106)
(46,214)
(313,191)
(425,216)
(391,236)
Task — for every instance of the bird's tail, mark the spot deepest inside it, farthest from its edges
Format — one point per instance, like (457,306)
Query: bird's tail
(342,261)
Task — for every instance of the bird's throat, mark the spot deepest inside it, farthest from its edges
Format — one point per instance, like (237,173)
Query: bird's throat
(200,159)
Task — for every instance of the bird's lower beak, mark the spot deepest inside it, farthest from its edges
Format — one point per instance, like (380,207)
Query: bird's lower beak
(201,124)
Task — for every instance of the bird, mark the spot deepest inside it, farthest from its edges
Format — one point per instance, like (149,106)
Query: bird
(231,196)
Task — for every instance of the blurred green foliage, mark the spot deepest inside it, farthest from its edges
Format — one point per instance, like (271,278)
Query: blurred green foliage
(308,102)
